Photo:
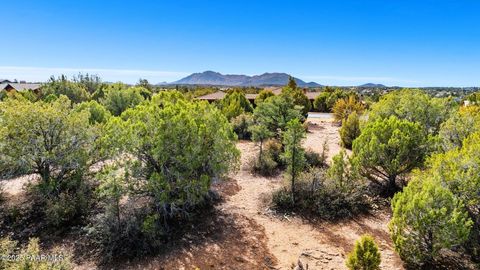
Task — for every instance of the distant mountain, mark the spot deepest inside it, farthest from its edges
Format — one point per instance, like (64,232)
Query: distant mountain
(373,85)
(266,79)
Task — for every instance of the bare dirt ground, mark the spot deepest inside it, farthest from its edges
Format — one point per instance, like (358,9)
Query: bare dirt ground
(242,233)
(321,245)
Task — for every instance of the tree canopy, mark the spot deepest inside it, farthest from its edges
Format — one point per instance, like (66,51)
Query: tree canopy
(263,95)
(179,147)
(415,106)
(388,148)
(119,97)
(345,106)
(234,104)
(299,99)
(459,126)
(275,112)
(62,86)
(52,140)
(426,218)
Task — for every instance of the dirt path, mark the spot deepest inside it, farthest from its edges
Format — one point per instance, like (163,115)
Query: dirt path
(322,246)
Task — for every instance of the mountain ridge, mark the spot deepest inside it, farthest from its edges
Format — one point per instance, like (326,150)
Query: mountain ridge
(375,85)
(266,79)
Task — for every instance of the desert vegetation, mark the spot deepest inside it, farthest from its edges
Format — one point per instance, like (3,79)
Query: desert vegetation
(129,171)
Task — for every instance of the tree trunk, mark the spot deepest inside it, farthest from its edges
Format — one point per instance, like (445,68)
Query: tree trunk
(391,185)
(260,156)
(294,155)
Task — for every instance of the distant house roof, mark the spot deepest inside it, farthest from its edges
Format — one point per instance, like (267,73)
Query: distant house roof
(213,96)
(2,81)
(20,86)
(312,95)
(276,91)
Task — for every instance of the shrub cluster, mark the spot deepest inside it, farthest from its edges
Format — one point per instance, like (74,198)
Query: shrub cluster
(322,193)
(270,161)
(241,126)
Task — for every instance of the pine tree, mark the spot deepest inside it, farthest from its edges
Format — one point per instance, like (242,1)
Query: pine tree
(294,154)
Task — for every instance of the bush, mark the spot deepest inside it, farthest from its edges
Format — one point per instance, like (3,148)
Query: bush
(273,148)
(427,218)
(266,166)
(263,95)
(327,99)
(60,150)
(314,159)
(458,127)
(350,130)
(119,97)
(365,255)
(30,257)
(299,98)
(346,106)
(415,106)
(72,201)
(234,104)
(388,149)
(321,196)
(62,86)
(123,238)
(271,159)
(275,112)
(98,113)
(241,126)
(175,149)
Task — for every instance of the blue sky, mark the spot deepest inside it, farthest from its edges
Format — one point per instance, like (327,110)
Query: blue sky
(406,43)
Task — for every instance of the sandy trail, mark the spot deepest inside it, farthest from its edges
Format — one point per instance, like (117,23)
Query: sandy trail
(322,246)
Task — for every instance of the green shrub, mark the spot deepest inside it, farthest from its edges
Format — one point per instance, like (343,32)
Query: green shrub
(98,113)
(62,86)
(263,95)
(265,166)
(350,130)
(273,149)
(71,202)
(321,196)
(60,150)
(415,106)
(127,237)
(175,148)
(346,106)
(314,159)
(119,97)
(241,126)
(234,104)
(388,149)
(270,161)
(427,218)
(365,255)
(275,112)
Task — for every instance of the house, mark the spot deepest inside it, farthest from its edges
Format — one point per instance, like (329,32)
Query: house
(19,87)
(251,97)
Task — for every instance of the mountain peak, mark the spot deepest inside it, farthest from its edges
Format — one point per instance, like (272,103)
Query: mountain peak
(373,85)
(266,79)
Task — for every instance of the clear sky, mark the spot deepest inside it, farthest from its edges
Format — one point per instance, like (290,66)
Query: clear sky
(403,42)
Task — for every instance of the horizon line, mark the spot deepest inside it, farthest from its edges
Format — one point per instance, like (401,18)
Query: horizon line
(41,74)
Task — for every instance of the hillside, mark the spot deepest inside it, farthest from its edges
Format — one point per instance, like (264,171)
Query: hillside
(266,79)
